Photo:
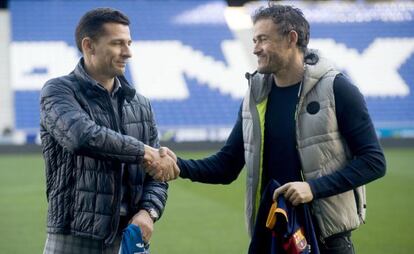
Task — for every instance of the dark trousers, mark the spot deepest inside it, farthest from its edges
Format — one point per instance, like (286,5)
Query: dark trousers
(337,244)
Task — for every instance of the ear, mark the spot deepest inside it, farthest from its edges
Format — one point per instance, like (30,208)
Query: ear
(293,38)
(88,46)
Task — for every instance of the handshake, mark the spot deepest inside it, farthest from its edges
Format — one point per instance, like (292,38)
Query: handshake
(161,163)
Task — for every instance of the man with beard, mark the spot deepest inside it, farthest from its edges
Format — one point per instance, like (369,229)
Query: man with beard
(303,124)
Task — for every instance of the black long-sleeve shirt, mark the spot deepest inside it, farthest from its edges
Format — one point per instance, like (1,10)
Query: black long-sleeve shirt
(283,165)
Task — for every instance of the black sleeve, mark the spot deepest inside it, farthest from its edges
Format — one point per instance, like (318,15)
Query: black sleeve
(66,121)
(222,167)
(356,127)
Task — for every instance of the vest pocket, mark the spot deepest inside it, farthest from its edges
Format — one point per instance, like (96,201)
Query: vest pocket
(361,202)
(336,214)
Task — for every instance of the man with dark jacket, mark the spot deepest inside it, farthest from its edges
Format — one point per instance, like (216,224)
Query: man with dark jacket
(97,134)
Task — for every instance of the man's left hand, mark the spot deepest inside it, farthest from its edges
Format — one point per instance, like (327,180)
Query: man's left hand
(143,220)
(296,192)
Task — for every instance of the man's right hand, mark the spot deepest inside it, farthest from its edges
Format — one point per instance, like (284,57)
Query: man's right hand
(160,167)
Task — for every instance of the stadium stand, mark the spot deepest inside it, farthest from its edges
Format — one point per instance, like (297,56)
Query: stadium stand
(190,61)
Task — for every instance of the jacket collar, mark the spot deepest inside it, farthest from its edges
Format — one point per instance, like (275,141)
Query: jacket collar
(316,66)
(260,84)
(92,88)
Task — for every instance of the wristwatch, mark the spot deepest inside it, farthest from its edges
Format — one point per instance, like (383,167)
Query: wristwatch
(153,214)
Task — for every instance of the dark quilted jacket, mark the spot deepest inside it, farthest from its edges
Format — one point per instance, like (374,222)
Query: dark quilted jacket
(83,155)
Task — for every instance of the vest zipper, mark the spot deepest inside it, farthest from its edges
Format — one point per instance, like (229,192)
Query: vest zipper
(298,105)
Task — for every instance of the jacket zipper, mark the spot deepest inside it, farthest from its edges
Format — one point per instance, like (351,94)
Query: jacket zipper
(115,223)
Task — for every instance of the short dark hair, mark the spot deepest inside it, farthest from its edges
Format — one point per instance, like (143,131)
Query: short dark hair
(91,23)
(287,18)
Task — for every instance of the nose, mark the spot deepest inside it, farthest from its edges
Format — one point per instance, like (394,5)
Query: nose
(126,51)
(256,49)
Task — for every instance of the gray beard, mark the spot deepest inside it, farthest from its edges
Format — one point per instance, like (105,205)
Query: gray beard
(265,70)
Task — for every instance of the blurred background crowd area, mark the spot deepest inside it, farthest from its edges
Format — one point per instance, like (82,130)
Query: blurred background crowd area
(190,59)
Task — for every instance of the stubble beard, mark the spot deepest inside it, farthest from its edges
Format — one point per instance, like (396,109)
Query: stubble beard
(268,68)
(264,70)
(117,71)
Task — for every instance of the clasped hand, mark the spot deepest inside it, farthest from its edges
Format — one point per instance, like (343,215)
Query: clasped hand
(161,164)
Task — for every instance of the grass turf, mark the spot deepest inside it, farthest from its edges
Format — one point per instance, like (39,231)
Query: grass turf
(202,218)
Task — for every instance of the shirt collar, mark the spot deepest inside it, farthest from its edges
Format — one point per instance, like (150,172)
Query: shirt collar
(117,86)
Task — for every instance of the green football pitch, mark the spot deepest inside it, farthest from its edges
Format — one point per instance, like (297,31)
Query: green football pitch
(202,218)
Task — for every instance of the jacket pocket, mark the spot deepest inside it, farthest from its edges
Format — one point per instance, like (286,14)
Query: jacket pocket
(361,202)
(336,214)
